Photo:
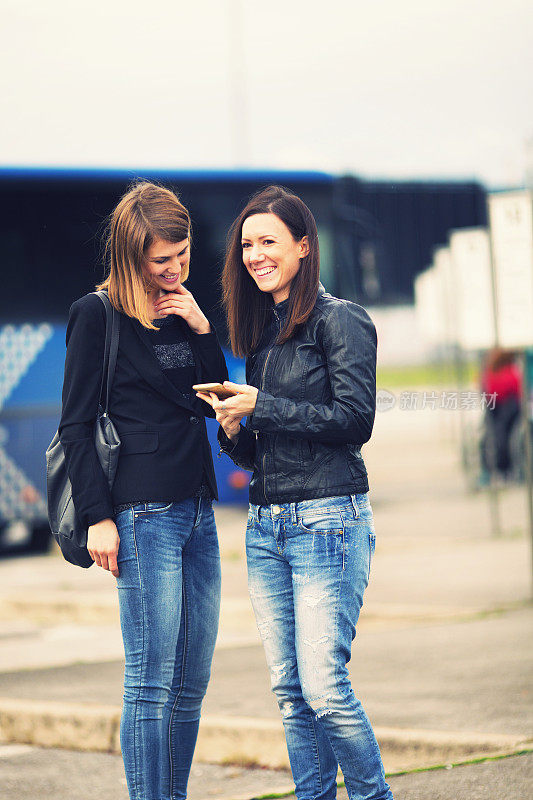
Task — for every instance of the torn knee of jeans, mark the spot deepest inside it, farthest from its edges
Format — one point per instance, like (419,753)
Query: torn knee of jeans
(315,643)
(264,629)
(278,671)
(286,706)
(320,706)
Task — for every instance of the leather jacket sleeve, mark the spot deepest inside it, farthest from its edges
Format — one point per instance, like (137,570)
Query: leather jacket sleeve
(81,396)
(349,342)
(243,451)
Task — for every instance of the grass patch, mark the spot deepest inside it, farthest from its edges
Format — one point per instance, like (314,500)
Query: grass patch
(415,770)
(443,375)
(233,555)
(465,763)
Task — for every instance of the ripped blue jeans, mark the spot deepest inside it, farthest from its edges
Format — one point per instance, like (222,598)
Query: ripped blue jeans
(308,567)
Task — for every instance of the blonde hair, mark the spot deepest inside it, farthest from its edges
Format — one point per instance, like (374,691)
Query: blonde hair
(146,212)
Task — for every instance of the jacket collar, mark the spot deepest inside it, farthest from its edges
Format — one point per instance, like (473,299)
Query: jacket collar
(281,308)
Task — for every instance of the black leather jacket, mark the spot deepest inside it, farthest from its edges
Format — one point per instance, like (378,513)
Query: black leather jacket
(315,406)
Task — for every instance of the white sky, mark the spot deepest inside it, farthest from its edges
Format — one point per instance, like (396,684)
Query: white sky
(392,88)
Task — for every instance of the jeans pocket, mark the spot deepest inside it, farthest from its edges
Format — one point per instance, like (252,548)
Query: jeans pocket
(153,508)
(326,522)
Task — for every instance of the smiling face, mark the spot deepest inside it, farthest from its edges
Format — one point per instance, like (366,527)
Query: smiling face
(270,254)
(164,264)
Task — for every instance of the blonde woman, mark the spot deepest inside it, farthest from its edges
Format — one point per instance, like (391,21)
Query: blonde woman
(155,530)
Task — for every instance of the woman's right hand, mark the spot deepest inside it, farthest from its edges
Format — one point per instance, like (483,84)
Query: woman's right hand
(102,543)
(230,424)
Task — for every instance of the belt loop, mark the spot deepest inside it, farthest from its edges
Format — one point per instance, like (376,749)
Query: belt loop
(294,518)
(254,511)
(354,504)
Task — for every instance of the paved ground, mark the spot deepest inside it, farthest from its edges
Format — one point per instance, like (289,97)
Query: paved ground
(468,676)
(32,772)
(444,643)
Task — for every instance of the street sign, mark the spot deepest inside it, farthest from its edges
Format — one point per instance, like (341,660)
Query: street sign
(511,232)
(428,308)
(446,290)
(473,292)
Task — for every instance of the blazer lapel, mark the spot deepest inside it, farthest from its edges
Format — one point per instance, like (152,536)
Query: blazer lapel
(139,351)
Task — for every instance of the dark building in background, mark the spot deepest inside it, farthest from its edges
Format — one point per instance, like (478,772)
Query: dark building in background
(375,236)
(392,228)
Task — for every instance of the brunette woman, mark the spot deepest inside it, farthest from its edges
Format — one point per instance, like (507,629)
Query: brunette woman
(310,404)
(155,530)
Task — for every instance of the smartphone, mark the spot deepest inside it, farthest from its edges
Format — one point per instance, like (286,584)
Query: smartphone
(222,392)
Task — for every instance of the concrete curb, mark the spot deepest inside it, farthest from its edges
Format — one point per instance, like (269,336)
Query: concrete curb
(59,607)
(237,740)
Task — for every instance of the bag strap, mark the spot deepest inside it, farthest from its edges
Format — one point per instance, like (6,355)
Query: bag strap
(111,346)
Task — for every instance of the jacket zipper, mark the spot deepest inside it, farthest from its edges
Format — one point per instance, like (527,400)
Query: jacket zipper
(261,387)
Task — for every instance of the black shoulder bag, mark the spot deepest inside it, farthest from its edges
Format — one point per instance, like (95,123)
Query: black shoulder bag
(65,525)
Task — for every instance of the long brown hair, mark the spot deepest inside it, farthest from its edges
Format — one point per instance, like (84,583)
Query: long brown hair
(247,307)
(146,212)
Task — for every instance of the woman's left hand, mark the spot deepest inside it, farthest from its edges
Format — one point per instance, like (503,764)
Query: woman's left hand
(182,303)
(240,405)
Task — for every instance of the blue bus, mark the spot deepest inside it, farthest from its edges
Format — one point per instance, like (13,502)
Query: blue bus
(375,236)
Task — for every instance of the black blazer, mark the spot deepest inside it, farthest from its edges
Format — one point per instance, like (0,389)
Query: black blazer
(164,439)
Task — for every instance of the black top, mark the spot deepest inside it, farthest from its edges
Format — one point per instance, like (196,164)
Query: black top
(174,353)
(176,359)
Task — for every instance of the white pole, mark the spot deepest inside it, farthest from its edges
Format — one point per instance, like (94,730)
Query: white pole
(238,105)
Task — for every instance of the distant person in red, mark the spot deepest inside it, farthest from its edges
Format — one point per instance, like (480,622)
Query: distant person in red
(501,377)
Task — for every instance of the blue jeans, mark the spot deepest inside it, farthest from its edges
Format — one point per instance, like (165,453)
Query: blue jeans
(169,594)
(308,567)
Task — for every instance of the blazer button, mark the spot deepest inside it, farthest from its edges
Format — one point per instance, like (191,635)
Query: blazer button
(194,420)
